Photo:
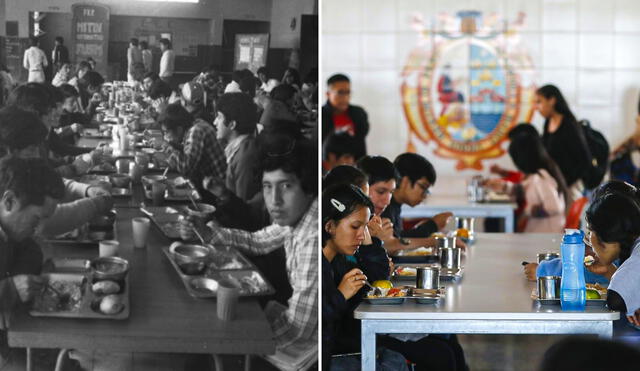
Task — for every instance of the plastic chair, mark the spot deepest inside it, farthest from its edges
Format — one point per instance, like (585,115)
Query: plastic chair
(575,211)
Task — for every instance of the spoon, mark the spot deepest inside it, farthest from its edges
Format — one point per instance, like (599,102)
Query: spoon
(165,172)
(195,205)
(376,290)
(195,230)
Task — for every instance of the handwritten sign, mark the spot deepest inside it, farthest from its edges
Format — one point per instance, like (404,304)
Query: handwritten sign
(90,32)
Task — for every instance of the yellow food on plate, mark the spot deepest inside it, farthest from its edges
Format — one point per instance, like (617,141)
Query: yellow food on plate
(588,260)
(406,271)
(462,233)
(383,284)
(593,294)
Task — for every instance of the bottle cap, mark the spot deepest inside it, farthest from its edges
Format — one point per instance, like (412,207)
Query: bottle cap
(572,236)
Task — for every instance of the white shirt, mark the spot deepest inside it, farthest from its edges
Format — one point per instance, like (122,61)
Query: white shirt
(167,63)
(232,87)
(34,59)
(541,189)
(626,280)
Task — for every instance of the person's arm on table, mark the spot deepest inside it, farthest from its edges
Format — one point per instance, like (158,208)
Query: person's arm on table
(71,215)
(300,320)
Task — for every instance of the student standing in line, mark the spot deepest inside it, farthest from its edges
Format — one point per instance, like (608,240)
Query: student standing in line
(59,54)
(35,61)
(134,56)
(147,57)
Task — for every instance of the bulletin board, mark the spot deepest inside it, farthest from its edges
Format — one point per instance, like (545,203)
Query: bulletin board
(14,48)
(251,51)
(90,34)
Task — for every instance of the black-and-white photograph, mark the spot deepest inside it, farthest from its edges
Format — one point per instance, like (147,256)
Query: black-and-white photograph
(159,181)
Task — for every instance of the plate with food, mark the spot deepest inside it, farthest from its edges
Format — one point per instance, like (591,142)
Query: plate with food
(104,168)
(385,295)
(596,296)
(250,282)
(228,259)
(62,294)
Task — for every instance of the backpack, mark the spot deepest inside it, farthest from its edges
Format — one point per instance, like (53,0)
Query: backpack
(599,148)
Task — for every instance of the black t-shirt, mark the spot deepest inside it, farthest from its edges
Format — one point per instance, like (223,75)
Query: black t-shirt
(567,147)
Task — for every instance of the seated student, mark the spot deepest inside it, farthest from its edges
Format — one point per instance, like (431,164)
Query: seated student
(416,176)
(382,177)
(72,121)
(289,188)
(543,190)
(345,213)
(30,192)
(292,77)
(47,103)
(81,70)
(236,130)
(613,221)
(22,134)
(337,150)
(553,267)
(279,105)
(191,146)
(194,101)
(62,76)
(90,89)
(148,79)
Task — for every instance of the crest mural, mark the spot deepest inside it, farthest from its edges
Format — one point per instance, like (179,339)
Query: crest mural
(465,85)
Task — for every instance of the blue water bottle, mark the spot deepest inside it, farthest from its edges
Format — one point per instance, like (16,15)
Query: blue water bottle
(573,294)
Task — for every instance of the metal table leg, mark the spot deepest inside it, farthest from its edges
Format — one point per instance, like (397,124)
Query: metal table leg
(29,360)
(247,362)
(368,339)
(218,362)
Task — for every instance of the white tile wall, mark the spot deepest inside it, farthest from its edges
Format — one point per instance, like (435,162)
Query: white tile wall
(588,48)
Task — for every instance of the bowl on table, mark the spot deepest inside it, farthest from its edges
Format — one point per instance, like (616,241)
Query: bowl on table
(190,258)
(109,268)
(147,180)
(120,180)
(205,211)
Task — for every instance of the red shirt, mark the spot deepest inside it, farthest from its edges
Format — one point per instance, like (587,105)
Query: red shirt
(342,123)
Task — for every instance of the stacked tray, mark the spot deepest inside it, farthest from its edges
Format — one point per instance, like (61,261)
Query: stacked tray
(82,302)
(223,263)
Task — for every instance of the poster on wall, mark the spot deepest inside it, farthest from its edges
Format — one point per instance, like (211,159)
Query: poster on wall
(90,34)
(466,91)
(250,51)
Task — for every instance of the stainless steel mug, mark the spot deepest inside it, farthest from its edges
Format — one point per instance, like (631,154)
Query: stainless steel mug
(466,223)
(547,256)
(450,258)
(549,287)
(428,278)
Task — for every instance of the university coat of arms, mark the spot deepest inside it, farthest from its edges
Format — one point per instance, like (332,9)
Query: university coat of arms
(463,89)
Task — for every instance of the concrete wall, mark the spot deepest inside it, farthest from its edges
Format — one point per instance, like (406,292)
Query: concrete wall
(282,12)
(588,48)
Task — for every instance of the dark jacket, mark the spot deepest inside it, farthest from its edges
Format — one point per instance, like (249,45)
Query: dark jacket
(568,148)
(360,120)
(393,212)
(60,55)
(340,331)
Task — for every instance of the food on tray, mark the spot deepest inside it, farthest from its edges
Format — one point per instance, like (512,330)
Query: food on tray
(420,251)
(106,287)
(462,233)
(171,228)
(383,284)
(406,271)
(111,304)
(251,283)
(109,268)
(67,298)
(593,294)
(589,260)
(105,167)
(391,293)
(227,260)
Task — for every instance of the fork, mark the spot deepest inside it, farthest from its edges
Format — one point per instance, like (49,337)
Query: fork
(376,290)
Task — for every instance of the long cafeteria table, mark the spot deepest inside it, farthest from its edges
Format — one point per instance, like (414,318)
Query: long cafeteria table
(492,297)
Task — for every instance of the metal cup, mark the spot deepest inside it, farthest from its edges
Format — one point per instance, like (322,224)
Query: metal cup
(443,242)
(450,258)
(547,256)
(466,223)
(549,287)
(428,278)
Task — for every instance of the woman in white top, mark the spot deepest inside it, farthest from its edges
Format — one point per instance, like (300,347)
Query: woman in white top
(35,61)
(543,189)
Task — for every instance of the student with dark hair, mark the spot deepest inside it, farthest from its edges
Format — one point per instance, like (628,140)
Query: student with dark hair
(194,101)
(72,121)
(82,68)
(90,89)
(543,191)
(35,61)
(191,145)
(62,75)
(291,77)
(134,56)
(416,176)
(263,76)
(234,85)
(147,81)
(337,150)
(613,222)
(236,130)
(338,115)
(289,190)
(382,180)
(345,174)
(147,57)
(563,138)
(158,89)
(167,61)
(59,55)
(279,106)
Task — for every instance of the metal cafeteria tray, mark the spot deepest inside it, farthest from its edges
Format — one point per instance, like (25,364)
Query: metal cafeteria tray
(394,300)
(591,302)
(228,259)
(86,236)
(426,296)
(88,302)
(451,274)
(67,265)
(213,274)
